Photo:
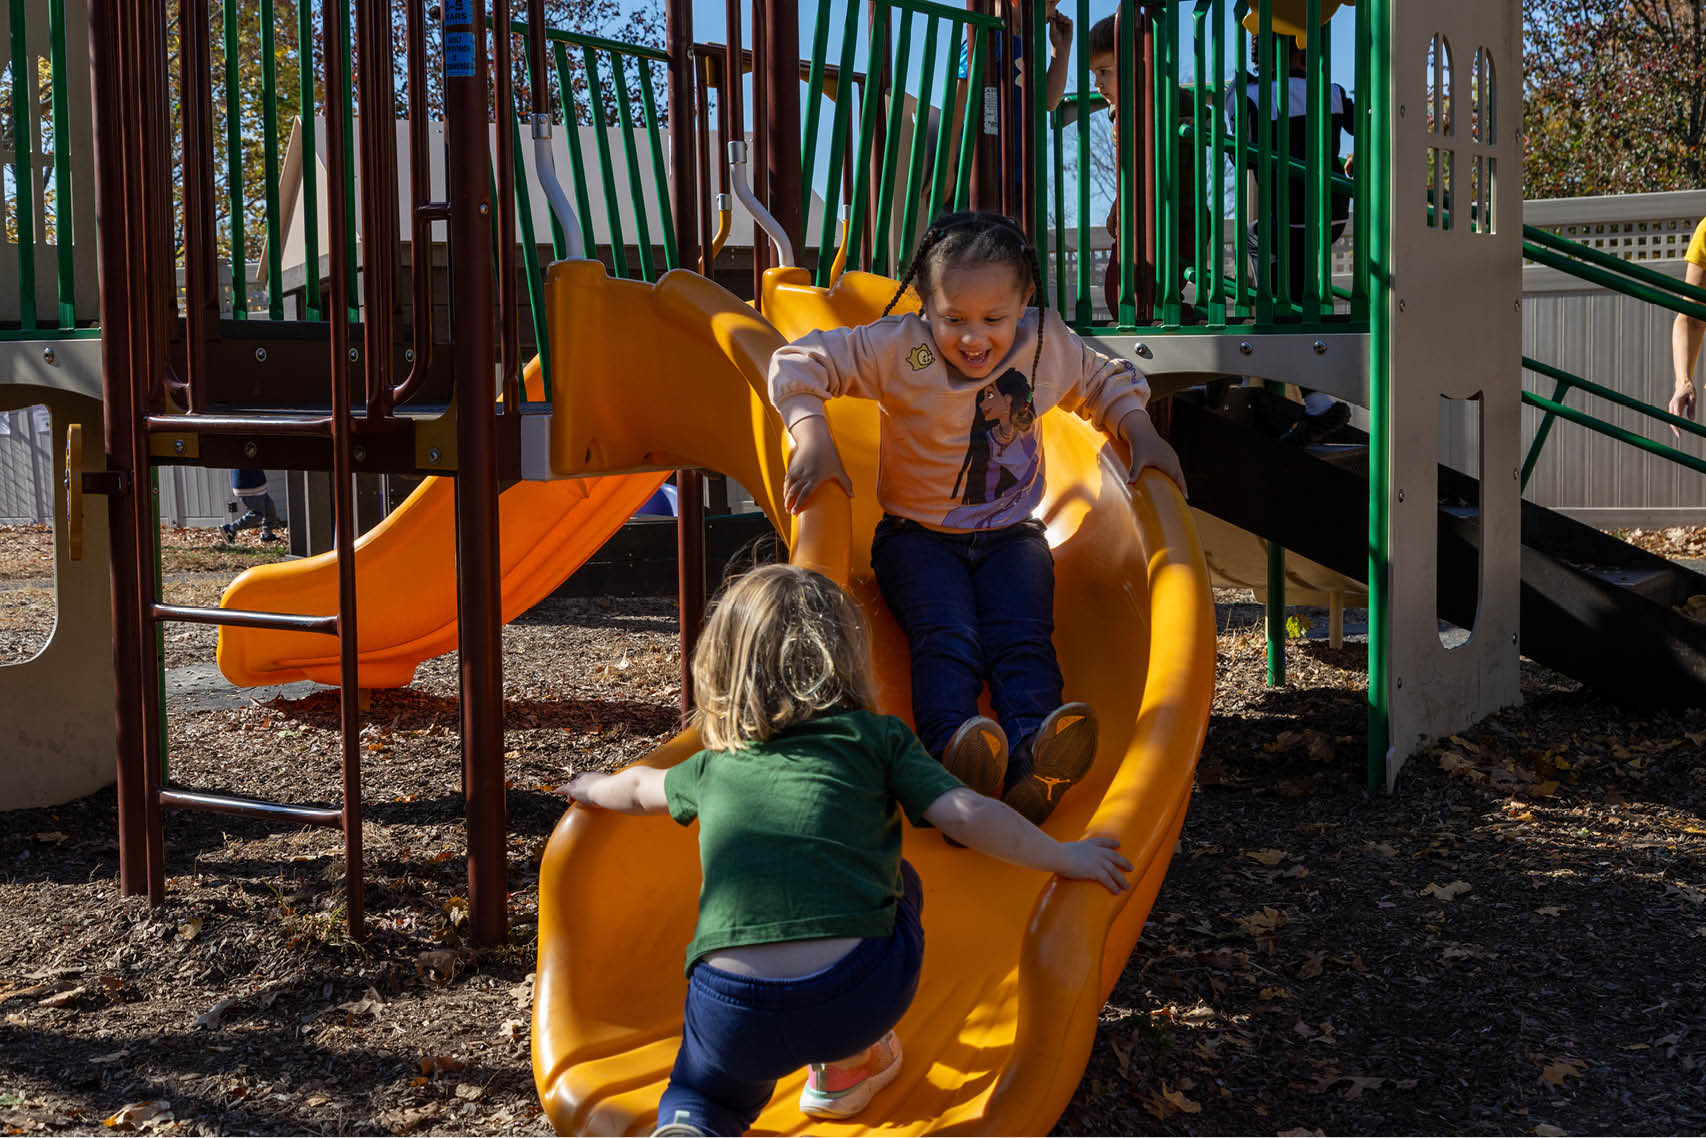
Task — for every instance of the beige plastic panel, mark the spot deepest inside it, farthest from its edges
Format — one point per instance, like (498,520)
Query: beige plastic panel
(57,707)
(1456,333)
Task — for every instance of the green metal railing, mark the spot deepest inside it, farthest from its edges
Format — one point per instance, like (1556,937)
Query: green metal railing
(40,211)
(1629,279)
(1216,129)
(868,168)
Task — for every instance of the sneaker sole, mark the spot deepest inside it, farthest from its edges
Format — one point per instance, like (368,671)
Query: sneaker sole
(856,1099)
(977,756)
(1060,758)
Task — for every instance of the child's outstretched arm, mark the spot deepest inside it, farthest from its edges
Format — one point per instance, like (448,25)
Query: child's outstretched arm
(990,826)
(637,790)
(1148,449)
(813,462)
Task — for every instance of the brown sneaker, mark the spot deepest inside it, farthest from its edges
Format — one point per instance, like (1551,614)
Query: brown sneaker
(1061,754)
(977,755)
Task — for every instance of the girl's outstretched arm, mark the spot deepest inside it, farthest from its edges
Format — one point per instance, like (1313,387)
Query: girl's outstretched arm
(990,826)
(637,790)
(1148,448)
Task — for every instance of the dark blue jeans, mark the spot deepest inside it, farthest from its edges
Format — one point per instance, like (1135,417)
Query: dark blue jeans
(975,607)
(741,1033)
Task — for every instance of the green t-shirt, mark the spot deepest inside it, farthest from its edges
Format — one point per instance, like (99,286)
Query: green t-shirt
(799,836)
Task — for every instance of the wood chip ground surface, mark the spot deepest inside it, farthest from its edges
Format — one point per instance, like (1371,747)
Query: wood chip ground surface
(1512,942)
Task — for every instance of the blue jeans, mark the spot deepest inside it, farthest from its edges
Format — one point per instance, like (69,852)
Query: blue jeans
(742,1033)
(975,607)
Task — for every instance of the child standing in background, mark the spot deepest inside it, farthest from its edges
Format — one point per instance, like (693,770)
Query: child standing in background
(962,564)
(809,942)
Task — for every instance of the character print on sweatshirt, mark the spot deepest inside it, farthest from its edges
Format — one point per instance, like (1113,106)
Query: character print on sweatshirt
(1003,457)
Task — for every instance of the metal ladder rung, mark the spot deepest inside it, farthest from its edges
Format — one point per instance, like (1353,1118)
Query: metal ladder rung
(242,618)
(239,425)
(329,816)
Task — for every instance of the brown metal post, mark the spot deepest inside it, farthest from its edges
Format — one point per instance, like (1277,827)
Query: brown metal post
(116,152)
(201,265)
(758,166)
(343,355)
(509,305)
(381,256)
(988,187)
(781,64)
(478,612)
(684,202)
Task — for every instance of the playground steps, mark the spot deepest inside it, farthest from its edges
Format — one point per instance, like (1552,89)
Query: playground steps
(1595,608)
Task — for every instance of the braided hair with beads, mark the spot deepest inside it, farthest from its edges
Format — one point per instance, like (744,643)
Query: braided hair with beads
(969,240)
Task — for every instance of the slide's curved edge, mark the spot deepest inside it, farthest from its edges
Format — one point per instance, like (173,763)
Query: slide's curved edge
(406,578)
(1079,936)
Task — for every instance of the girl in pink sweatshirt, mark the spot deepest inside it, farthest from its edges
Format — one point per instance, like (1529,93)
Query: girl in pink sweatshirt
(960,560)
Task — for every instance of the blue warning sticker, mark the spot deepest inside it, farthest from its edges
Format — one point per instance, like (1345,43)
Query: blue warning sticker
(458,11)
(459,55)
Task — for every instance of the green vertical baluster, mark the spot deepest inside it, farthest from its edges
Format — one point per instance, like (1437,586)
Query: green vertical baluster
(660,176)
(1286,175)
(234,163)
(881,239)
(1207,279)
(311,308)
(1168,181)
(530,271)
(1322,175)
(1241,274)
(839,125)
(1083,310)
(1363,129)
(971,123)
(940,175)
(1127,190)
(814,109)
(606,169)
(624,116)
(577,161)
(1317,297)
(269,163)
(1039,128)
(1266,228)
(915,159)
(867,135)
(1217,216)
(1057,136)
(64,233)
(23,166)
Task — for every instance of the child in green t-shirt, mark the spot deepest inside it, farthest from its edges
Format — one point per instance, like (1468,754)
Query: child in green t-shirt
(808,945)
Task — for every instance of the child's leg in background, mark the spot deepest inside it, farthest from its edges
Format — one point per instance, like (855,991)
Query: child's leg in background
(1013,581)
(925,578)
(742,1033)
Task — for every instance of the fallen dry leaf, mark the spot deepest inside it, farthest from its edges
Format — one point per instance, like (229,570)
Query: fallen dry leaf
(1264,923)
(437,1064)
(136,1115)
(1557,1070)
(1447,892)
(1269,857)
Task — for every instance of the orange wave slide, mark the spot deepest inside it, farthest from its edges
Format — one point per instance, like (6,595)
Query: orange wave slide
(1018,963)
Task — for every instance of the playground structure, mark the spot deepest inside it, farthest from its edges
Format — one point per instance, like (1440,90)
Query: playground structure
(1424,322)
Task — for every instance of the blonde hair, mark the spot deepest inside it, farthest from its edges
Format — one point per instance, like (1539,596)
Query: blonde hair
(783,644)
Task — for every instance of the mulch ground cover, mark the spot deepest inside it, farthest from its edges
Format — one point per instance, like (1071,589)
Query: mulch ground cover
(1511,942)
